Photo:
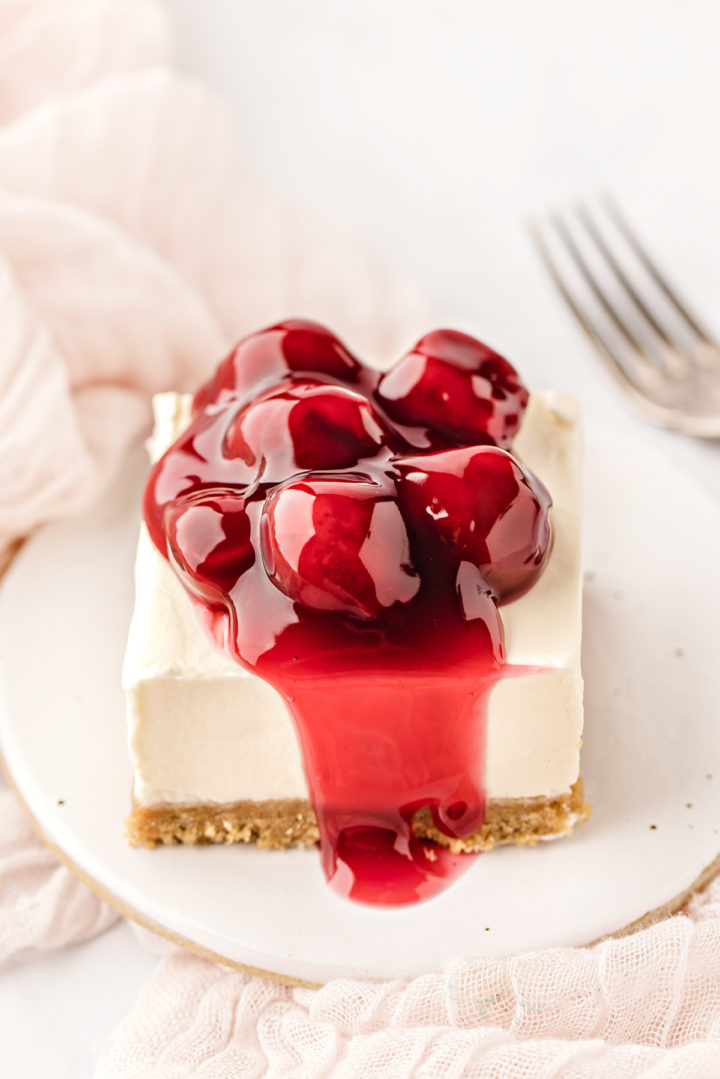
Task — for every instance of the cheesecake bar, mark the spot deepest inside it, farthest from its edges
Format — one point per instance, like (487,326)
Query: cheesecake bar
(215,752)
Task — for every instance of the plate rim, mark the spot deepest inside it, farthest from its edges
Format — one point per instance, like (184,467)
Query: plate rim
(125,909)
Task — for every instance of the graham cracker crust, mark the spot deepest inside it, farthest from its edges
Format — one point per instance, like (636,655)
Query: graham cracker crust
(279,824)
(515,820)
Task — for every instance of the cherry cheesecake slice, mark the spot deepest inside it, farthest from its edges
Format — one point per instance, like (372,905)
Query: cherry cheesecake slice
(358,611)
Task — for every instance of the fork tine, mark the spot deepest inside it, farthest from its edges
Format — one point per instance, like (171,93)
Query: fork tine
(590,280)
(588,221)
(613,211)
(618,367)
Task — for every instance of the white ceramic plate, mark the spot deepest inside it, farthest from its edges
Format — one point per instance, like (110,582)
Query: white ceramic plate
(651,758)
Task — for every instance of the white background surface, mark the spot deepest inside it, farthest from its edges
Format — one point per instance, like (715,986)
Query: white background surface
(435,131)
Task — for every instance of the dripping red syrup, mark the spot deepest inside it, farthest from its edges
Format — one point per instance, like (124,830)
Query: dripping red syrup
(348,536)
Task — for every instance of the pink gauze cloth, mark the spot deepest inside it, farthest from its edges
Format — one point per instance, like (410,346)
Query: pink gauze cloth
(133,249)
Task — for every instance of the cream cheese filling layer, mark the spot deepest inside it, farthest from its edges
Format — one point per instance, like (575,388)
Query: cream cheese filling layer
(203,729)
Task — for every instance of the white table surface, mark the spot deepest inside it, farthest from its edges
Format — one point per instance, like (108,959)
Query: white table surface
(437,131)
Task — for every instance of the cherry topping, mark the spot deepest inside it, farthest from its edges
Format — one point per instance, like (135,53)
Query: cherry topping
(293,347)
(361,576)
(209,544)
(331,427)
(485,508)
(458,387)
(303,426)
(337,545)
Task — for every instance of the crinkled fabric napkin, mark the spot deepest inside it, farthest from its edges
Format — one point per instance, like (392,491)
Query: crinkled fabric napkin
(133,249)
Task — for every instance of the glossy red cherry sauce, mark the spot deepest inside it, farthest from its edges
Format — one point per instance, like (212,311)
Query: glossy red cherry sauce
(348,536)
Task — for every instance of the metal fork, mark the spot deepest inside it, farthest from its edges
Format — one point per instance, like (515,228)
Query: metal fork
(666,362)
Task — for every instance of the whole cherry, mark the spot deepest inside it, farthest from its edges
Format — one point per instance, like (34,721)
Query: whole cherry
(453,385)
(209,544)
(484,508)
(292,348)
(337,544)
(303,426)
